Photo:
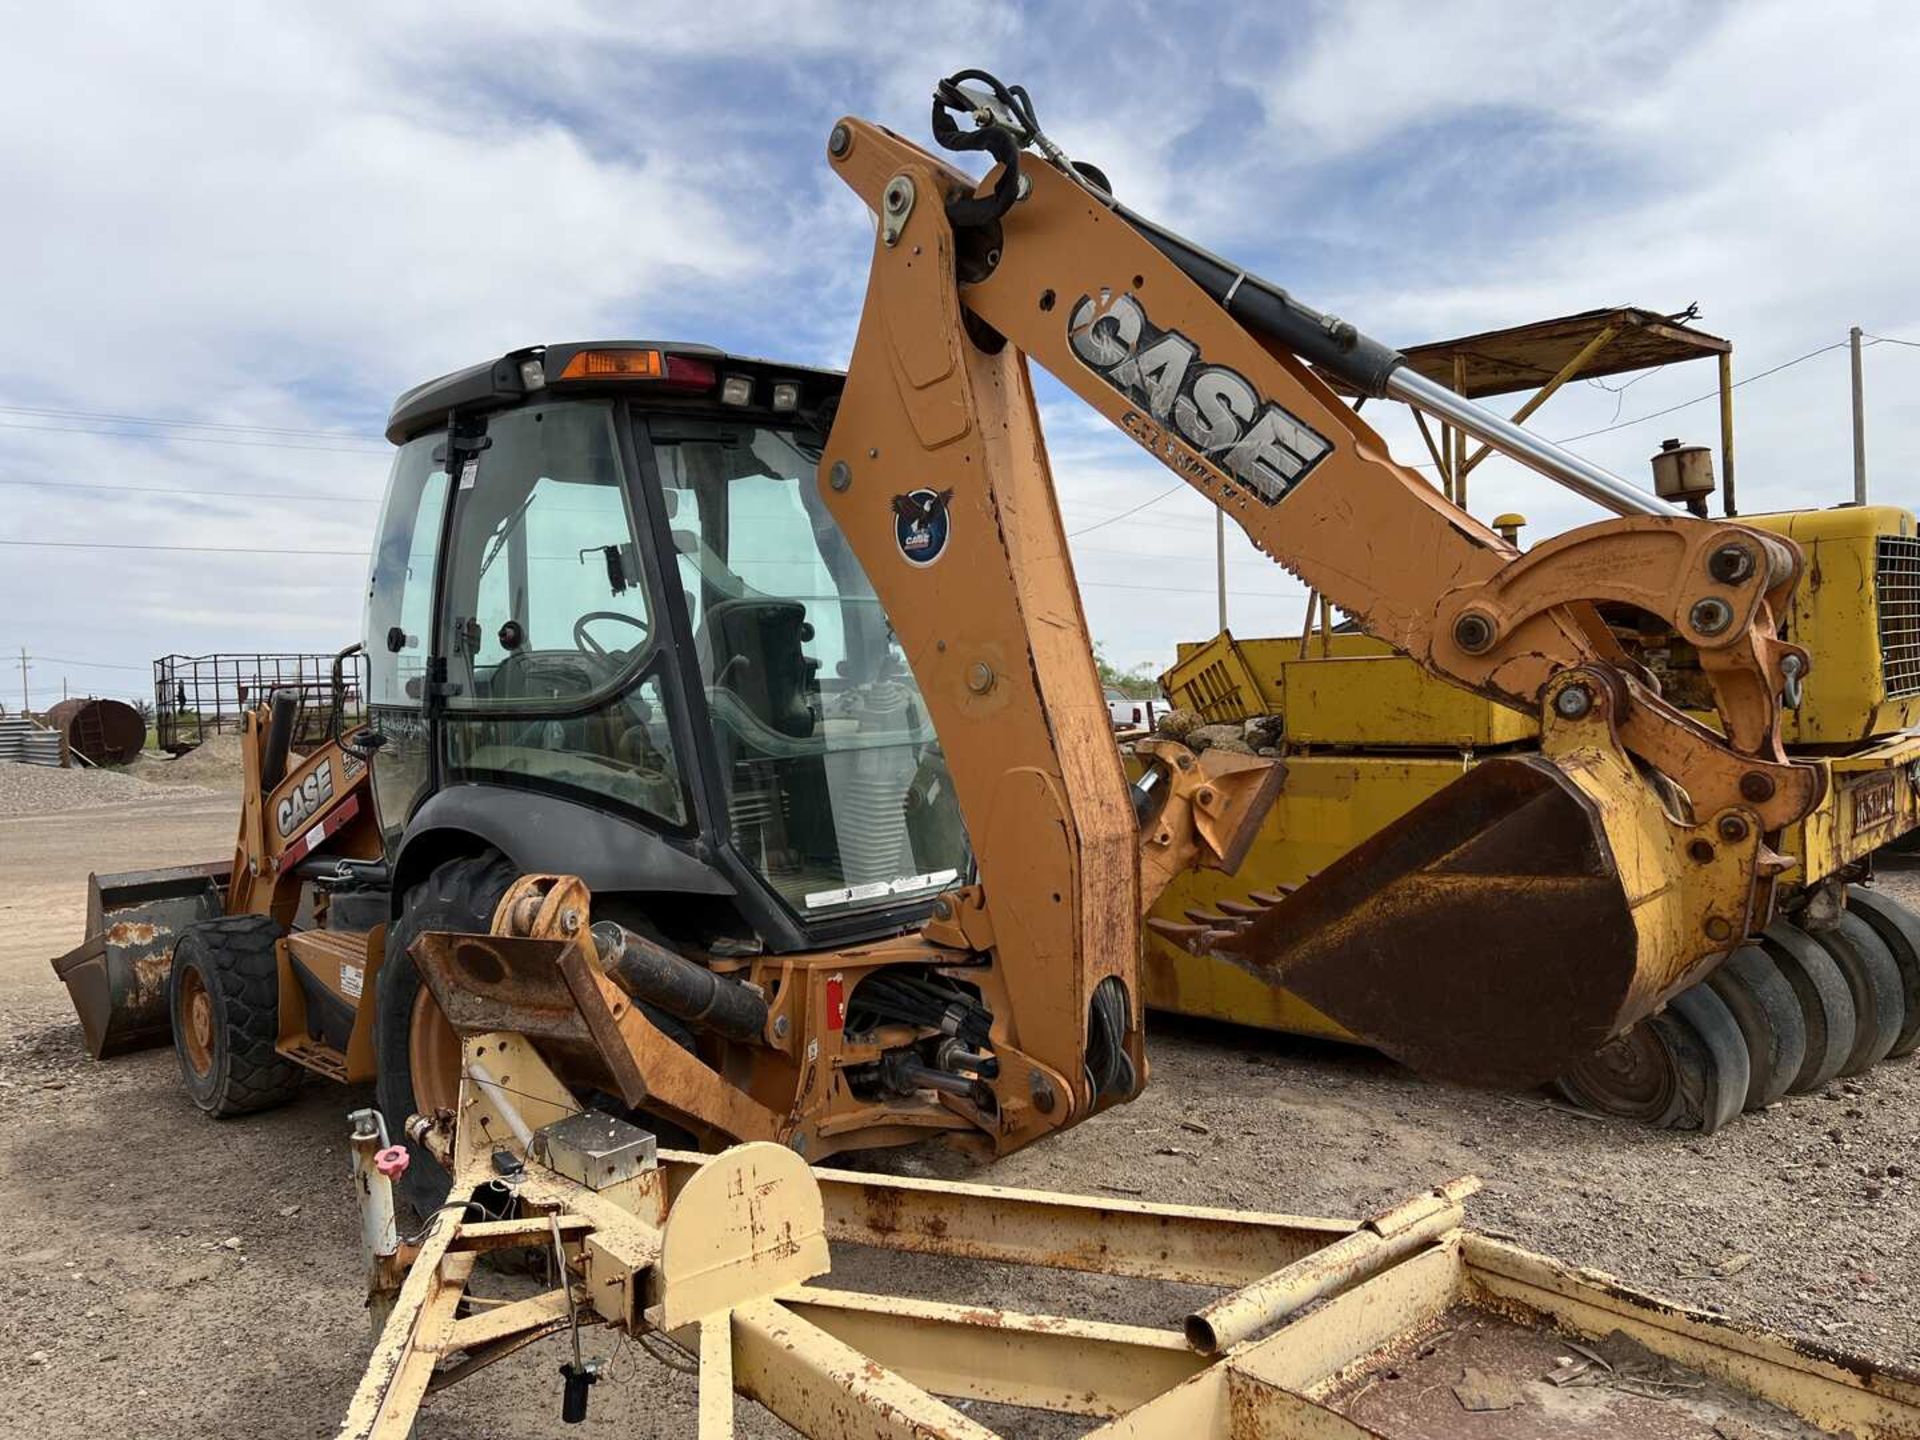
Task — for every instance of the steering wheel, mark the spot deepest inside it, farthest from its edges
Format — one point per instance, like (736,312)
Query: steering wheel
(587,645)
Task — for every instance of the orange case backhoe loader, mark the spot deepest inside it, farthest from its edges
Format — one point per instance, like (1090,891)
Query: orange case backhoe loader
(744,750)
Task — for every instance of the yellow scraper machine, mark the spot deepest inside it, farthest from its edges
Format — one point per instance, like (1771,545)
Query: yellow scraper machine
(1830,987)
(891,872)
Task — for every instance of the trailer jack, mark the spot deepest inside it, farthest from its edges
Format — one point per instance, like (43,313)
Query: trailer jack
(1316,1324)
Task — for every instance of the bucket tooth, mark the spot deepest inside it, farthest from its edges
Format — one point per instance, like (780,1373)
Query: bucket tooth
(1195,939)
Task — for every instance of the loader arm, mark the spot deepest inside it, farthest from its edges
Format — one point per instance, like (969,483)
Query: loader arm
(1640,834)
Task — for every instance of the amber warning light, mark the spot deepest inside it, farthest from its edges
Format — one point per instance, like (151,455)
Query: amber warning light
(669,371)
(615,365)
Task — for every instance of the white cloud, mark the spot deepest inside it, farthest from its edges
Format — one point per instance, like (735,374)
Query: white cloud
(277,217)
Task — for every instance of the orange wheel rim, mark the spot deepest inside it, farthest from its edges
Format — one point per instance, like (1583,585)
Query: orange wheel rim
(433,1055)
(196,1011)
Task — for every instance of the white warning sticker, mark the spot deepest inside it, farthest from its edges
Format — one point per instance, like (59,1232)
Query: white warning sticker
(352,978)
(880,889)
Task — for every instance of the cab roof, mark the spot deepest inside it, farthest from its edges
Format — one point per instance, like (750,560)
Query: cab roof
(688,377)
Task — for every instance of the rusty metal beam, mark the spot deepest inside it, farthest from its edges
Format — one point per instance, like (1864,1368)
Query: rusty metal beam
(511,1234)
(1385,1239)
(821,1386)
(412,1342)
(970,1352)
(716,1377)
(1439,460)
(1726,434)
(1190,1244)
(1568,371)
(1459,468)
(504,1321)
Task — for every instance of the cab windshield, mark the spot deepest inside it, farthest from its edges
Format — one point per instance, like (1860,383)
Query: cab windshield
(555,673)
(836,789)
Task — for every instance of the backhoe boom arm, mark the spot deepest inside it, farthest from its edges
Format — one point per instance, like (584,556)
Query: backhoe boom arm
(937,472)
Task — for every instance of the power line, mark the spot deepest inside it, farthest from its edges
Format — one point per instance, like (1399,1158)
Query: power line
(1188,590)
(1698,399)
(190,549)
(1114,520)
(195,439)
(93,664)
(178,423)
(221,494)
(1194,559)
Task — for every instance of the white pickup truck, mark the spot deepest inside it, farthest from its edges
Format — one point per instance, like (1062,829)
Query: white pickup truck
(1129,714)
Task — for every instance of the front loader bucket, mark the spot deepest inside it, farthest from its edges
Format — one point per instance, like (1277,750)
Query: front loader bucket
(1490,935)
(118,975)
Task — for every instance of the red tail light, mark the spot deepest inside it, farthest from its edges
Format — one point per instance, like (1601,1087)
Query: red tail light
(686,373)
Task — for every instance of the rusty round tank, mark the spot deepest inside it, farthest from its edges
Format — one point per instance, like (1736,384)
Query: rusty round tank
(107,732)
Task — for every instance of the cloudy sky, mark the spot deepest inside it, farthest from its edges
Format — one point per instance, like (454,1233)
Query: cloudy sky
(234,233)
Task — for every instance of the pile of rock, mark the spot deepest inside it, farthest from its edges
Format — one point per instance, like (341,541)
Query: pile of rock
(1260,735)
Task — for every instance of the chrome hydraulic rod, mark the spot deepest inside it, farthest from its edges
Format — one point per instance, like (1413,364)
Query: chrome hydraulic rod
(1581,476)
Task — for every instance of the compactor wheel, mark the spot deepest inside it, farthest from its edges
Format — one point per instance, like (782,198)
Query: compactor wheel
(1899,930)
(223,996)
(1767,1011)
(1684,1069)
(1826,1004)
(417,1051)
(1879,1002)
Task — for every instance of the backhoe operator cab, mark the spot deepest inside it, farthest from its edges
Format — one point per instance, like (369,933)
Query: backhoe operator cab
(613,633)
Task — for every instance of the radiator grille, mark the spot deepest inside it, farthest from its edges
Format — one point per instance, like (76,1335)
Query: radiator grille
(1897,584)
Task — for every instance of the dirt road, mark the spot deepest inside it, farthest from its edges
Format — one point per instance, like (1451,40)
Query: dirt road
(164,1276)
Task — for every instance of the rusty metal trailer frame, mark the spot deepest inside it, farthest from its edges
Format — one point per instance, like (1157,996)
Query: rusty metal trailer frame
(719,1255)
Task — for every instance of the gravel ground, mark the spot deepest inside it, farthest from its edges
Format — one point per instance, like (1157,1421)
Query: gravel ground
(51,790)
(165,1275)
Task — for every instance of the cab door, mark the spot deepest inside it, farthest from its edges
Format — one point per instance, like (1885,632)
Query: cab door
(399,630)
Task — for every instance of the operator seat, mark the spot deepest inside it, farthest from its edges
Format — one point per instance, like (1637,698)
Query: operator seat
(751,644)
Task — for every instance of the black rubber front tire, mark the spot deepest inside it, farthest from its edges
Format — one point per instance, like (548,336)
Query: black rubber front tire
(1899,930)
(232,1067)
(459,895)
(1768,1013)
(1879,999)
(1826,1004)
(1715,1078)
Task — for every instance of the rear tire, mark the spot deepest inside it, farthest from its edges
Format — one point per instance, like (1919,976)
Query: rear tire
(1880,1007)
(1826,1004)
(459,895)
(1764,1006)
(223,995)
(1899,930)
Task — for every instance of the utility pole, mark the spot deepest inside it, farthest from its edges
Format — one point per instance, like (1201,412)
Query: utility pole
(1859,422)
(1220,560)
(23,680)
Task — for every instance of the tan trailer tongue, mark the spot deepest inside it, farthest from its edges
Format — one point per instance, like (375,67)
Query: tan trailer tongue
(117,976)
